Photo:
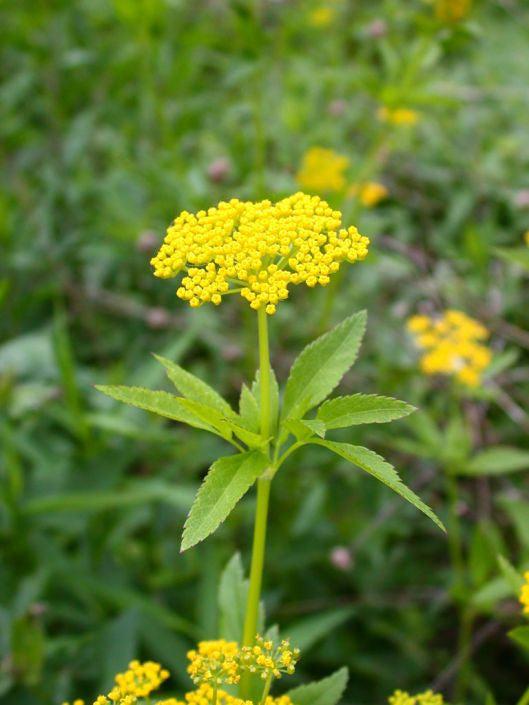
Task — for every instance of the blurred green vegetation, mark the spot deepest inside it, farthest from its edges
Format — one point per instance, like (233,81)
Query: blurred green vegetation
(114,116)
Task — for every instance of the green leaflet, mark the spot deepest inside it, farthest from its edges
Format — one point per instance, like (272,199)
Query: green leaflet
(249,410)
(321,366)
(327,691)
(227,481)
(379,468)
(497,460)
(305,428)
(516,255)
(233,592)
(161,403)
(361,408)
(194,388)
(310,630)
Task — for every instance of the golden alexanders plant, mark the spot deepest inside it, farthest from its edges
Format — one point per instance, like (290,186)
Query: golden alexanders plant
(260,250)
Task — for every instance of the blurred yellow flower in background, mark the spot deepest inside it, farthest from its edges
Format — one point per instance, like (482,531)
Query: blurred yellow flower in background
(524,594)
(452,10)
(321,16)
(526,237)
(398,116)
(369,193)
(322,170)
(451,347)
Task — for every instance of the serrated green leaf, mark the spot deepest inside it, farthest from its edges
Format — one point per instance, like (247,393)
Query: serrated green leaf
(360,409)
(305,428)
(227,481)
(497,460)
(511,575)
(380,469)
(327,691)
(249,410)
(194,388)
(161,403)
(321,366)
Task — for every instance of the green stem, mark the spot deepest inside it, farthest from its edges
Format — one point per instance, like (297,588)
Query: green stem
(524,700)
(266,690)
(261,515)
(459,588)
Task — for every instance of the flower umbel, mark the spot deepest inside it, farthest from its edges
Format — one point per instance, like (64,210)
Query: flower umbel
(524,594)
(322,170)
(257,249)
(267,659)
(214,662)
(400,697)
(451,345)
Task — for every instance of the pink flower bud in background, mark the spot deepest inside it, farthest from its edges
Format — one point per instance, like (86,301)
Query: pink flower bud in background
(521,198)
(341,558)
(158,318)
(219,169)
(147,242)
(337,107)
(377,29)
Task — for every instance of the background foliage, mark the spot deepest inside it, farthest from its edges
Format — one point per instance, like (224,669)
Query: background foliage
(114,117)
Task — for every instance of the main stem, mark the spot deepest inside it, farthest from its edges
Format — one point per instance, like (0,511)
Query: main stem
(263,495)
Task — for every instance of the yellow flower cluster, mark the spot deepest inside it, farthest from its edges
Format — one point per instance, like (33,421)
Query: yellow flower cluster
(451,345)
(369,193)
(214,662)
(524,594)
(259,249)
(526,237)
(138,681)
(398,116)
(400,697)
(204,695)
(322,170)
(452,10)
(269,660)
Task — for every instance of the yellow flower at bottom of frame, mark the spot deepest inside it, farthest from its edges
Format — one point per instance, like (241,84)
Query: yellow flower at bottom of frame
(524,594)
(401,117)
(369,193)
(257,250)
(401,697)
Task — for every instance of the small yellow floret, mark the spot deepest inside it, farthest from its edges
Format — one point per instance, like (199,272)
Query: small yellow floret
(257,249)
(266,659)
(398,116)
(214,662)
(524,594)
(322,170)
(526,237)
(451,345)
